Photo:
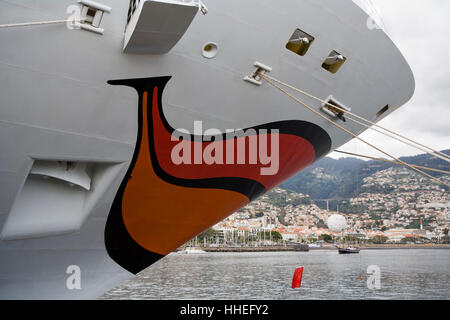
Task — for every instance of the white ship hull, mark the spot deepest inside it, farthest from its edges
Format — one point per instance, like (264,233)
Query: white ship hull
(56,105)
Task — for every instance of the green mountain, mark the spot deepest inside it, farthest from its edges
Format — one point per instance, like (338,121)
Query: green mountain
(341,179)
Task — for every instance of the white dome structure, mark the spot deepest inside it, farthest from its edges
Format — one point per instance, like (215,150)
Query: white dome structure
(337,223)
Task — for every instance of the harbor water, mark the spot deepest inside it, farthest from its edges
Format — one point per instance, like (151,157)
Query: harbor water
(404,274)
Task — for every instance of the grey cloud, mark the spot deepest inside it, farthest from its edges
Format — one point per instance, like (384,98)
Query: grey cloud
(421,30)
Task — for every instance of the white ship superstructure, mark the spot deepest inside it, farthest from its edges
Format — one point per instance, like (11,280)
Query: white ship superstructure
(88,196)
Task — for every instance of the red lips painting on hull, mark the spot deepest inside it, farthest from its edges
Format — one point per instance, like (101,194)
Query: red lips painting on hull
(161,205)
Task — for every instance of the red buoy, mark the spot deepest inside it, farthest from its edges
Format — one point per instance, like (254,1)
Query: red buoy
(297,279)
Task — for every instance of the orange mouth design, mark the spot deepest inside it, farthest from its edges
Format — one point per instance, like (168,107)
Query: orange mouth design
(160,206)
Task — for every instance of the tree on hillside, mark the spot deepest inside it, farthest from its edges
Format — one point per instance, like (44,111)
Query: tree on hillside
(266,234)
(379,239)
(209,235)
(326,238)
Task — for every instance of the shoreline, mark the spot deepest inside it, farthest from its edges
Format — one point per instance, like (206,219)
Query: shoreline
(407,246)
(304,248)
(389,248)
(280,248)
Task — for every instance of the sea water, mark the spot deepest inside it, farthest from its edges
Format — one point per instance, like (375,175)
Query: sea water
(403,274)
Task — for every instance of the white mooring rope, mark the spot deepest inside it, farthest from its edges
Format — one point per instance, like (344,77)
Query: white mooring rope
(390,161)
(267,78)
(388,132)
(39,23)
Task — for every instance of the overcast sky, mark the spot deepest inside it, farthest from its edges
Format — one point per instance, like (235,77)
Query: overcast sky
(421,30)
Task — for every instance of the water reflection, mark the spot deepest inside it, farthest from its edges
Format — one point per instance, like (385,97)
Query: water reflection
(405,274)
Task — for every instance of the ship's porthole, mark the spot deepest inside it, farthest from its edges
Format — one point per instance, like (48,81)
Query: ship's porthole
(334,62)
(210,50)
(300,42)
(382,111)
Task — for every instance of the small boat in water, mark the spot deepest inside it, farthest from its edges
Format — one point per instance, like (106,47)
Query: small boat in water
(348,250)
(192,251)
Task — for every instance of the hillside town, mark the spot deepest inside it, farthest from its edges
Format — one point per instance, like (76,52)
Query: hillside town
(394,206)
